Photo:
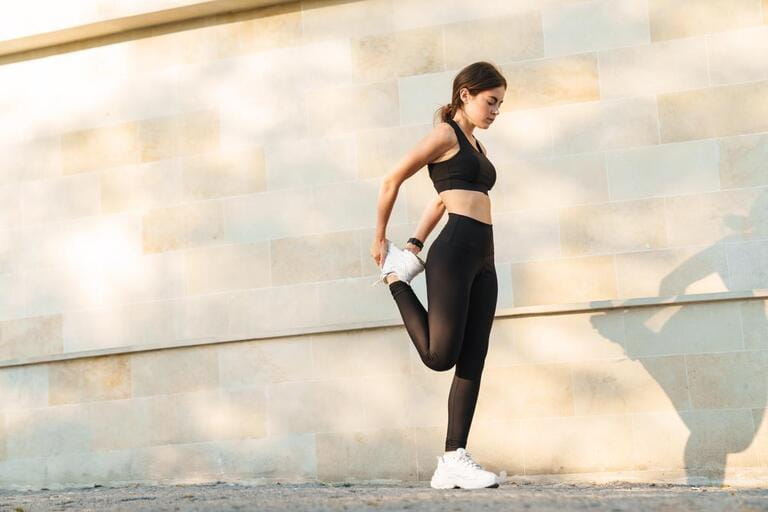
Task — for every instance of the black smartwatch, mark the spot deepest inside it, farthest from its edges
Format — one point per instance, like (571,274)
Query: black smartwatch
(415,241)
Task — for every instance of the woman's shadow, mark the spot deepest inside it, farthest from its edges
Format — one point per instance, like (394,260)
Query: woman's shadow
(709,443)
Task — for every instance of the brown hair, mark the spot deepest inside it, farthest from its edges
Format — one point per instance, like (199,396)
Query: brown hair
(477,77)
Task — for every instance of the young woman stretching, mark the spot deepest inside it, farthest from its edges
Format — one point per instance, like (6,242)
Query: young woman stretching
(460,273)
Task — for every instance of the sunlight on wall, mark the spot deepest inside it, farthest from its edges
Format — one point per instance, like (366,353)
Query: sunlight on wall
(104,261)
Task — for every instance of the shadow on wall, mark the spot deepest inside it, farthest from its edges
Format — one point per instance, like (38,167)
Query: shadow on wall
(711,440)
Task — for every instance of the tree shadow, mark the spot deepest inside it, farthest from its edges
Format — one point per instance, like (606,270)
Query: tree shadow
(709,442)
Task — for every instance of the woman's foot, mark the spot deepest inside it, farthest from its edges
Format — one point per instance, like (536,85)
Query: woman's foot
(457,469)
(403,263)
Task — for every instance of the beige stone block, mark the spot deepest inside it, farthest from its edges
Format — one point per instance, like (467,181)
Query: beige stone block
(24,387)
(387,56)
(682,329)
(496,445)
(754,317)
(100,148)
(654,68)
(319,257)
(47,292)
(47,431)
(578,444)
(386,398)
(32,159)
(89,379)
(528,235)
(290,457)
(260,311)
(201,317)
(742,160)
(660,439)
(183,134)
(141,186)
(23,473)
(747,265)
(716,439)
(497,39)
(430,444)
(187,463)
(28,337)
(377,107)
(737,56)
(613,227)
(526,391)
(379,150)
(252,217)
(717,217)
(564,280)
(277,26)
(11,209)
(551,81)
(59,199)
(525,184)
(360,352)
(417,192)
(205,416)
(420,96)
(189,225)
(108,434)
(605,125)
(175,370)
(519,134)
(672,272)
(673,19)
(555,339)
(345,456)
(667,169)
(226,173)
(727,380)
(331,405)
(254,363)
(227,267)
(331,159)
(352,205)
(714,112)
(88,469)
(589,26)
(645,385)
(264,114)
(322,20)
(344,301)
(129,325)
(428,398)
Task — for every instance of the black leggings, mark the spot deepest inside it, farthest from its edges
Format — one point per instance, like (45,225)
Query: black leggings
(461,294)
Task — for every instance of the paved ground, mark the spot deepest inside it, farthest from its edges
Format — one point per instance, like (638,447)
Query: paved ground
(412,496)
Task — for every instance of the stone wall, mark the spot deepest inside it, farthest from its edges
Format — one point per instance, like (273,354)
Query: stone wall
(186,211)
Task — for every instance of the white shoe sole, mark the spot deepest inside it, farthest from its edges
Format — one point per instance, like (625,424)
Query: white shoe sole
(450,483)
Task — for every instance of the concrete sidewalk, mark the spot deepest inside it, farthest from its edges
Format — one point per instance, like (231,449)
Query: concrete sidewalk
(411,496)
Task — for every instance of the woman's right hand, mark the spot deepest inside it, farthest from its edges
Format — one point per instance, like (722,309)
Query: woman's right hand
(379,250)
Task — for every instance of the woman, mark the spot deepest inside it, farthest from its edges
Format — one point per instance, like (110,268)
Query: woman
(460,273)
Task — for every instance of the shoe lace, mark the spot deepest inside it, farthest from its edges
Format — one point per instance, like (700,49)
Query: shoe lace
(467,460)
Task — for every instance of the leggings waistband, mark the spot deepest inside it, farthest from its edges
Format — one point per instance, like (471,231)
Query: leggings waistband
(470,233)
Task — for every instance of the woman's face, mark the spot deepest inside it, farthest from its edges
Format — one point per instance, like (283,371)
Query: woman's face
(483,108)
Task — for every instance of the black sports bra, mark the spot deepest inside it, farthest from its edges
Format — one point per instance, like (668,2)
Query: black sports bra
(469,169)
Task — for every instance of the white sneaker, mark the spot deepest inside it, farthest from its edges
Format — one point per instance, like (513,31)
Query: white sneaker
(402,262)
(457,469)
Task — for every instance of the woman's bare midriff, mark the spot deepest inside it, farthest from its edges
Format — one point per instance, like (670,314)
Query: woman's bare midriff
(468,202)
(465,202)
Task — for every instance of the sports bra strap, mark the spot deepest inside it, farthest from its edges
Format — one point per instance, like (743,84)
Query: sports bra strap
(460,135)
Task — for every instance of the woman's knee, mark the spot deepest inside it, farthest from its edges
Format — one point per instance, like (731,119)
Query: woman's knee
(439,362)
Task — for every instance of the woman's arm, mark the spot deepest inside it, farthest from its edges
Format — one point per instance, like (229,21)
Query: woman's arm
(431,216)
